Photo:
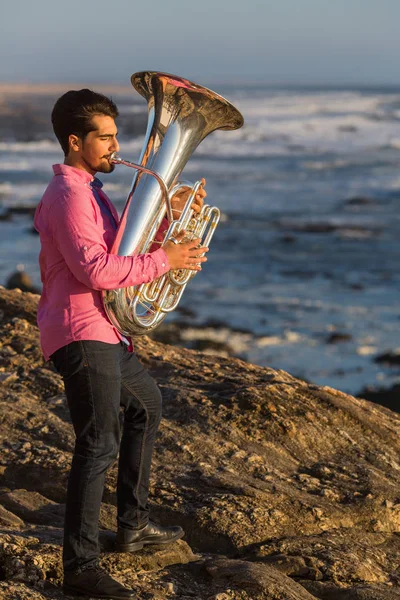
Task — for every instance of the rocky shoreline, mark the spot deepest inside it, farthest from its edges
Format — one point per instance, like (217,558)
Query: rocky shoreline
(286,490)
(216,337)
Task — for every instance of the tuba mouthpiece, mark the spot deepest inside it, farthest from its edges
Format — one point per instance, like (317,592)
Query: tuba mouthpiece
(114,158)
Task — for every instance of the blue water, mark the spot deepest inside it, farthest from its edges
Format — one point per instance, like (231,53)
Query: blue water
(292,262)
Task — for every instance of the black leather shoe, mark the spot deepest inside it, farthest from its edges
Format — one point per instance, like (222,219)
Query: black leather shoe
(95,583)
(130,540)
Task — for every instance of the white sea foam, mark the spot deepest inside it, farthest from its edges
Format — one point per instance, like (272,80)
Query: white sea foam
(277,124)
(39,146)
(286,105)
(131,147)
(5,188)
(127,109)
(317,134)
(21,165)
(30,163)
(26,193)
(319,122)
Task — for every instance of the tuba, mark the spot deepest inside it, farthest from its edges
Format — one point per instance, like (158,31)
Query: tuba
(181,115)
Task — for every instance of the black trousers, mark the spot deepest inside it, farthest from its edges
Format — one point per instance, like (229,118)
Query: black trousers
(99,378)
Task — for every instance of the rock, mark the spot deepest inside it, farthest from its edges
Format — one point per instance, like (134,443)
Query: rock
(258,580)
(341,228)
(212,337)
(348,128)
(327,591)
(389,397)
(359,201)
(288,239)
(22,281)
(5,214)
(22,209)
(337,337)
(285,489)
(169,587)
(340,556)
(151,558)
(8,520)
(33,507)
(20,560)
(315,227)
(389,358)
(20,591)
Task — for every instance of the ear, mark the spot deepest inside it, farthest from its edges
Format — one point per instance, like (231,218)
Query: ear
(74,142)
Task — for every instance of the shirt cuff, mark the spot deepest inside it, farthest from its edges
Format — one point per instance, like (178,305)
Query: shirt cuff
(161,259)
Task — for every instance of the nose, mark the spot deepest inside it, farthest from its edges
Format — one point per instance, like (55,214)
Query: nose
(115,145)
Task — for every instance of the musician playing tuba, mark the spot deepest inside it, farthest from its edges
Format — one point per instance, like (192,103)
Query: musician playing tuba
(78,226)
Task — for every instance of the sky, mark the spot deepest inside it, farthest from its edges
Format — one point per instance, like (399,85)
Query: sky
(229,41)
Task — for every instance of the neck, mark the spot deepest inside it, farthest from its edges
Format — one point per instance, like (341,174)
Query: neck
(79,163)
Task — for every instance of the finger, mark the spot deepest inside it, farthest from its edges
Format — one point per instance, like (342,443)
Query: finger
(199,249)
(197,259)
(182,191)
(197,205)
(199,200)
(178,236)
(197,252)
(193,243)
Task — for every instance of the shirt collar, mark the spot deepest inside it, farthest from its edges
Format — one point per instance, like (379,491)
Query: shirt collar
(76,174)
(96,183)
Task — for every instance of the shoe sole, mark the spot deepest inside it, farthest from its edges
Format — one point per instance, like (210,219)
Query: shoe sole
(74,592)
(135,546)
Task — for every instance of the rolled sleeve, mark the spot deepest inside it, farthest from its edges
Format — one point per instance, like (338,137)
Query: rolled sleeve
(161,259)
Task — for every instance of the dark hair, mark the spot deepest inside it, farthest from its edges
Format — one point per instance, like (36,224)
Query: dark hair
(73,112)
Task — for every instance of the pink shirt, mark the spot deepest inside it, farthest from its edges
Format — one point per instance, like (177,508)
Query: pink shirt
(76,237)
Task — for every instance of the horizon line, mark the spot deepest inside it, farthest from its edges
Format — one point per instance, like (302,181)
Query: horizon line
(25,85)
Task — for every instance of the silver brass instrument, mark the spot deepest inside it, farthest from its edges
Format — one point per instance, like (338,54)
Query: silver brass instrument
(181,115)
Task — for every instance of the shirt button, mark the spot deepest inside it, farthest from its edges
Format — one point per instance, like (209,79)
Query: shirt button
(163,264)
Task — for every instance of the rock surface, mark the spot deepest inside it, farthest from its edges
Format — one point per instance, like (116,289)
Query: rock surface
(286,490)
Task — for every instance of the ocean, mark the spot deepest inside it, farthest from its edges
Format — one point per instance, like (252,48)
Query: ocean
(303,273)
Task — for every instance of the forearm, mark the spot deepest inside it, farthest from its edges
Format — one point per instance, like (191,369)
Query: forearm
(110,271)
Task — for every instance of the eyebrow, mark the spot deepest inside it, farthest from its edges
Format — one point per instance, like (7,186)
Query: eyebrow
(107,134)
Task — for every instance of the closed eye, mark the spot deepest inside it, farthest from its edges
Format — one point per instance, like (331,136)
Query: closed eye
(107,137)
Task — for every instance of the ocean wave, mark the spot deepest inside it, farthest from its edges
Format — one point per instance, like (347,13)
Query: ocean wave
(278,125)
(298,106)
(13,194)
(21,165)
(37,146)
(31,163)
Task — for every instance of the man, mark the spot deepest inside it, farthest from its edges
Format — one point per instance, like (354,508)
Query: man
(77,224)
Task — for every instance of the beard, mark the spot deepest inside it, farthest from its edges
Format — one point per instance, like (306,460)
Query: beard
(104,166)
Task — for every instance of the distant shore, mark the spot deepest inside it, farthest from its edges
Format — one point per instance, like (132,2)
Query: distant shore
(10,89)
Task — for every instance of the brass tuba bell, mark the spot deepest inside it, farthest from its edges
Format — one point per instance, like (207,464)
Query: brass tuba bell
(181,115)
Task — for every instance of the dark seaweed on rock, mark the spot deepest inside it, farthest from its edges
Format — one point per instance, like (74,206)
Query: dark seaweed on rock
(286,490)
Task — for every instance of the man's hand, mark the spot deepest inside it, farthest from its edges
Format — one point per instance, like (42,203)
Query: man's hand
(179,200)
(185,255)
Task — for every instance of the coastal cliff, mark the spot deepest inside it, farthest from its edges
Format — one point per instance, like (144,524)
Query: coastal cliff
(286,490)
